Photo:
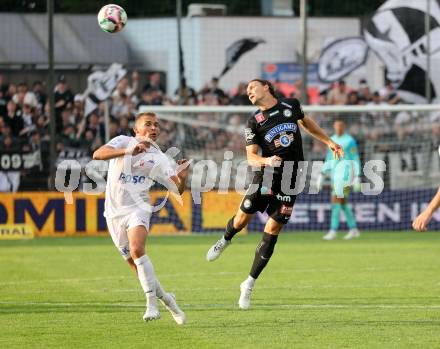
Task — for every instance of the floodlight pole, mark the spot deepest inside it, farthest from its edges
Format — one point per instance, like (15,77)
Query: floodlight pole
(428,51)
(50,92)
(303,21)
(179,42)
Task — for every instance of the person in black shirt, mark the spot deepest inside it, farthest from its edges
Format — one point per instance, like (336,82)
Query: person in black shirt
(274,129)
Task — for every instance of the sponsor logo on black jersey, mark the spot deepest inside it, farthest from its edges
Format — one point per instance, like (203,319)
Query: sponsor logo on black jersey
(284,141)
(287,113)
(260,117)
(278,129)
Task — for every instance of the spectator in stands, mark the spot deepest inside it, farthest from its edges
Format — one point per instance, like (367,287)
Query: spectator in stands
(364,91)
(3,103)
(63,96)
(240,97)
(14,118)
(154,83)
(90,141)
(40,95)
(185,94)
(124,88)
(124,127)
(9,180)
(94,124)
(338,94)
(353,98)
(12,90)
(23,96)
(28,116)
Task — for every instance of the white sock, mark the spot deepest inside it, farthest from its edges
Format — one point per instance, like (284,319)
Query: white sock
(146,278)
(250,281)
(160,292)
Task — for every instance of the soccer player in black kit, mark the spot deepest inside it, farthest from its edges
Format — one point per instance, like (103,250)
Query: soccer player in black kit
(274,129)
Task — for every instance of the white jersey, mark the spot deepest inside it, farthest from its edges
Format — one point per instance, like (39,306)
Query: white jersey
(130,177)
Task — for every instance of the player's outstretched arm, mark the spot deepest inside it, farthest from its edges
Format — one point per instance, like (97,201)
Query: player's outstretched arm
(317,132)
(422,220)
(107,152)
(182,173)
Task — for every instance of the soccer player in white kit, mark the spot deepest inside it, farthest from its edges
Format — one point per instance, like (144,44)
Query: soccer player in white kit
(134,163)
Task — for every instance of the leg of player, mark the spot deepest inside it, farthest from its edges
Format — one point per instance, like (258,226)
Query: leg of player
(145,271)
(169,302)
(167,299)
(351,222)
(263,253)
(335,218)
(235,224)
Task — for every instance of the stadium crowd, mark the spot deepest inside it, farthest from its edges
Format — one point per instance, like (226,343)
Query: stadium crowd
(24,120)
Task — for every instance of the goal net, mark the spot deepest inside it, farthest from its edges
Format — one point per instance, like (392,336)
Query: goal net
(404,138)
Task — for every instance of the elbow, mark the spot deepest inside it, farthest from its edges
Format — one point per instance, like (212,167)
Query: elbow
(96,155)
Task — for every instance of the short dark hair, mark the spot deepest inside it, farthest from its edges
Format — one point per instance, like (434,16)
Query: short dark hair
(268,83)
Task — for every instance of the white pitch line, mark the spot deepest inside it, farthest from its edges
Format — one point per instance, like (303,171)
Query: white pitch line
(230,306)
(184,275)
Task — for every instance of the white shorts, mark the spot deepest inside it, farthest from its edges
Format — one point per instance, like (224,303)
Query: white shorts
(118,227)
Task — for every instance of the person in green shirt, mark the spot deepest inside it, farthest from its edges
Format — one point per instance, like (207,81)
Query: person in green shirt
(344,173)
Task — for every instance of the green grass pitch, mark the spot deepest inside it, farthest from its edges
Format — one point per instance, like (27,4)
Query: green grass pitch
(380,291)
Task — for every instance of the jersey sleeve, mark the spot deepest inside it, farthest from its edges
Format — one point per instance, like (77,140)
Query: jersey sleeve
(250,132)
(119,142)
(353,154)
(297,109)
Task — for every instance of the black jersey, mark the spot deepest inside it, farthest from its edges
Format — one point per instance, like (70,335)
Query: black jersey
(276,130)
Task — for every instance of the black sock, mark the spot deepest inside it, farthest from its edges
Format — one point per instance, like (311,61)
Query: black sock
(230,230)
(263,253)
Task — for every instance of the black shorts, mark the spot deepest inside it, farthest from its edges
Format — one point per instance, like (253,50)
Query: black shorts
(278,205)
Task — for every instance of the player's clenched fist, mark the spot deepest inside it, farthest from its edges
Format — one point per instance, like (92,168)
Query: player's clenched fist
(137,149)
(421,221)
(338,152)
(274,161)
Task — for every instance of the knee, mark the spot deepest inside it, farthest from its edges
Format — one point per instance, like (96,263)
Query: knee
(241,220)
(137,250)
(273,227)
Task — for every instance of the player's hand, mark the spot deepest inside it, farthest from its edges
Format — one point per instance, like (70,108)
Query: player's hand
(357,185)
(338,152)
(137,149)
(183,168)
(422,221)
(273,161)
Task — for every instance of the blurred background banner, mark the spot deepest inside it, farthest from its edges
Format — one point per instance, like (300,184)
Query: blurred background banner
(49,215)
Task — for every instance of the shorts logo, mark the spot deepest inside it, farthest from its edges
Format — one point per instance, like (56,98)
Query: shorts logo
(284,198)
(286,210)
(287,113)
(247,203)
(260,117)
(124,251)
(284,141)
(249,134)
(278,129)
